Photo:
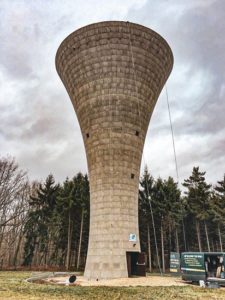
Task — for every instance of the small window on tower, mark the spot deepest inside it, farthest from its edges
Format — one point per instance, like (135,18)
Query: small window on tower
(137,133)
(87,135)
(132,176)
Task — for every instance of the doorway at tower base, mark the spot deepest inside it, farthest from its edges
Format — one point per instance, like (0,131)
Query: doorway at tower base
(136,264)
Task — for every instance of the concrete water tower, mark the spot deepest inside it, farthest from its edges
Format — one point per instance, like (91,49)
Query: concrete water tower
(113,73)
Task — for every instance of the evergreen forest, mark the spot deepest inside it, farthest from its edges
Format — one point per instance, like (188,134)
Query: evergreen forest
(45,225)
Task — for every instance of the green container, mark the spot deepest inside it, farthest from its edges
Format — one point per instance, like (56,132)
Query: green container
(197,266)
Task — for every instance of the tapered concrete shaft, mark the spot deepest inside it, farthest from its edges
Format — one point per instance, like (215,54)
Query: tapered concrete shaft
(113,73)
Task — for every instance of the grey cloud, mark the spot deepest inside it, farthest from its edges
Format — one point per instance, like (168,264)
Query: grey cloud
(195,35)
(38,124)
(195,32)
(16,55)
(41,115)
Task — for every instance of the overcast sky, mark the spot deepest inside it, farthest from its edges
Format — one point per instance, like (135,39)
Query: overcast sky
(38,124)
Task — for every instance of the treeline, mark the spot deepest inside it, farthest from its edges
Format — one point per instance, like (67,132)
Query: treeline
(56,229)
(169,221)
(46,224)
(43,225)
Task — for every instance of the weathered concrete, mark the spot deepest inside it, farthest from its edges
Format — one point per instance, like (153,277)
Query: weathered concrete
(114,73)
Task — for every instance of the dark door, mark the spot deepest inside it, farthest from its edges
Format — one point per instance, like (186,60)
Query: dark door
(140,270)
(129,264)
(136,263)
(132,258)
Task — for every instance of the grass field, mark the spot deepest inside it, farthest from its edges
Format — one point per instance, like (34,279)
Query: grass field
(13,286)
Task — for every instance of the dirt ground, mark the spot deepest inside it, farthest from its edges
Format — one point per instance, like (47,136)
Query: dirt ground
(14,285)
(135,281)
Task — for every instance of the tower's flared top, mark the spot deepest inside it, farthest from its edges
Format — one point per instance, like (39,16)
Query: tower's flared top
(115,33)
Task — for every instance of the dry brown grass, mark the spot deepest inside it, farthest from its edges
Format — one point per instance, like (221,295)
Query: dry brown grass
(13,286)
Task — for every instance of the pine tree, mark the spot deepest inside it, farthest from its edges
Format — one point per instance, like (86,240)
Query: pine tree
(72,219)
(160,207)
(217,206)
(39,226)
(145,218)
(197,199)
(66,212)
(83,197)
(174,210)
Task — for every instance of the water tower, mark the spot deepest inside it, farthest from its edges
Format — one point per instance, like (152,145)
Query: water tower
(113,73)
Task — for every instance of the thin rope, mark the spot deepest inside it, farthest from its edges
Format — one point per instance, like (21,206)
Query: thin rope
(153,225)
(135,78)
(175,159)
(139,118)
(171,128)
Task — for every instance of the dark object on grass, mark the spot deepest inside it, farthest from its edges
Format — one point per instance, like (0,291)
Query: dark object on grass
(72,278)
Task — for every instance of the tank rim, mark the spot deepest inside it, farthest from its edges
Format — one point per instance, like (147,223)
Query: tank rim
(98,24)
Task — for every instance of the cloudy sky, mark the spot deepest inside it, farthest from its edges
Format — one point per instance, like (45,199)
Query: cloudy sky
(37,123)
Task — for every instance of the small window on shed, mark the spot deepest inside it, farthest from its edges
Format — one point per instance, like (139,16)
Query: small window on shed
(132,175)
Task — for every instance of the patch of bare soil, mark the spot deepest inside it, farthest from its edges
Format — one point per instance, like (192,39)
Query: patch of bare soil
(135,281)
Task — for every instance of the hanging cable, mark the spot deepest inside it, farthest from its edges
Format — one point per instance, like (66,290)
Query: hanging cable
(171,128)
(153,225)
(135,78)
(139,118)
(175,160)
